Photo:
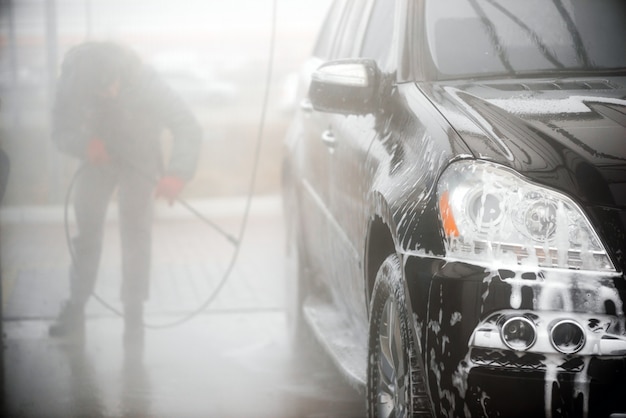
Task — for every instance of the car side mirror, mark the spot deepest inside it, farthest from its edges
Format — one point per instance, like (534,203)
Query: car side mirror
(345,86)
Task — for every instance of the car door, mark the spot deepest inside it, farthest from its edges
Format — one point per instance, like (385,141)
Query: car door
(351,175)
(311,154)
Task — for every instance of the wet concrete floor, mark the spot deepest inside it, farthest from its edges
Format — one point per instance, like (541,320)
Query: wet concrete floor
(232,359)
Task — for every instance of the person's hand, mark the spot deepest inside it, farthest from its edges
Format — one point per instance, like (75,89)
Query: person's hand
(97,153)
(169,187)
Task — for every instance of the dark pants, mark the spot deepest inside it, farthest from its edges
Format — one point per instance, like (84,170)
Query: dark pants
(94,189)
(4,172)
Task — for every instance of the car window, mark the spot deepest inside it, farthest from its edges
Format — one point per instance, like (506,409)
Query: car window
(328,34)
(351,25)
(379,33)
(485,37)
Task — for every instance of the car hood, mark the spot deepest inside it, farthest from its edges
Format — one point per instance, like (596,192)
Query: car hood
(568,134)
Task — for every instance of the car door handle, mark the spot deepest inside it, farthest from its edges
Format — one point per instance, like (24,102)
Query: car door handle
(306,105)
(328,138)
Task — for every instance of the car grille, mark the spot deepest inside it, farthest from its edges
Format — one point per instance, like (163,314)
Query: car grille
(504,359)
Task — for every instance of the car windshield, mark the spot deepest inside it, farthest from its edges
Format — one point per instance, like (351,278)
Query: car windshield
(513,37)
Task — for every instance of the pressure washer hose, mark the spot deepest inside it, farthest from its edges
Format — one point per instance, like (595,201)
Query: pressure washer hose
(236,242)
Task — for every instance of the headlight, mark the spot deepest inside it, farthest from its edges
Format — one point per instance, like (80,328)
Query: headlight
(491,214)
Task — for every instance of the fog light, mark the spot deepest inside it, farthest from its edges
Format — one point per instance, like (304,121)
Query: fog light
(567,336)
(518,333)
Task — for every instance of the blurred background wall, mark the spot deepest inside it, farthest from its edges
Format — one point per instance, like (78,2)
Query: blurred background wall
(214,52)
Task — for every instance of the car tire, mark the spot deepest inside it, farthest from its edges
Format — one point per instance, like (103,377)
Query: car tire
(395,380)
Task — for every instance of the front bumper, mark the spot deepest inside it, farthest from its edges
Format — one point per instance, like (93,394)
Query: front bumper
(460,311)
(596,390)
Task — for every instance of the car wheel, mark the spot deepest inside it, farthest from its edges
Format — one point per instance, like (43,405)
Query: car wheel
(395,381)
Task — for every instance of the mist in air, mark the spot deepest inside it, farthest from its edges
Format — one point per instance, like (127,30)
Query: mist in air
(201,353)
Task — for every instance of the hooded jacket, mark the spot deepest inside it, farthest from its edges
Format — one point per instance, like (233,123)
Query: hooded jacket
(131,124)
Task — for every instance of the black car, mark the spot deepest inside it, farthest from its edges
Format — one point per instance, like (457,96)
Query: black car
(455,190)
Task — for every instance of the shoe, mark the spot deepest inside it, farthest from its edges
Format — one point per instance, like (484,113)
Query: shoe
(69,323)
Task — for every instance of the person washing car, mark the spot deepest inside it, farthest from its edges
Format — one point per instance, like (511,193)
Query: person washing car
(110,111)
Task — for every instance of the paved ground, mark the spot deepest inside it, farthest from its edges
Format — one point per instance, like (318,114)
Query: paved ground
(230,360)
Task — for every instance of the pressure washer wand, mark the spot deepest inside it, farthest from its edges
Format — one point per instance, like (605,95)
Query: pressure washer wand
(178,199)
(206,220)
